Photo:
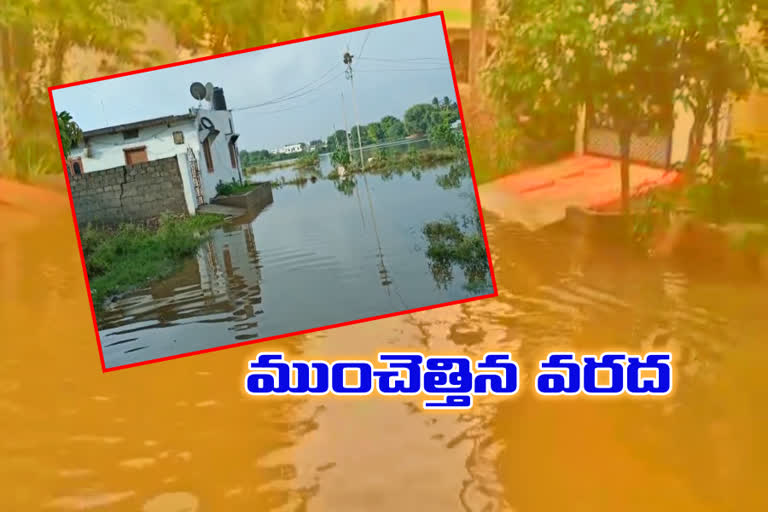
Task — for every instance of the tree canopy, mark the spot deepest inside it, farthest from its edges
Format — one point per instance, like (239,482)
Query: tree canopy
(628,60)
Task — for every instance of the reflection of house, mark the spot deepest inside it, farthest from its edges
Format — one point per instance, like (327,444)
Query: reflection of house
(227,262)
(203,140)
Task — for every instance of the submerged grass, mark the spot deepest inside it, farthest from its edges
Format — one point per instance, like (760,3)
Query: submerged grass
(449,245)
(124,258)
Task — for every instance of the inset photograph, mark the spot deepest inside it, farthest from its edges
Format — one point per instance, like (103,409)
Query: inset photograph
(273,191)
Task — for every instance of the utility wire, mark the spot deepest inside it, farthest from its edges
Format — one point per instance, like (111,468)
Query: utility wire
(367,35)
(296,93)
(381,59)
(401,69)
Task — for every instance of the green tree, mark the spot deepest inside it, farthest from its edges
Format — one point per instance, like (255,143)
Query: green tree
(446,103)
(721,51)
(394,129)
(35,39)
(376,132)
(616,57)
(443,135)
(71,134)
(363,135)
(419,118)
(38,38)
(337,138)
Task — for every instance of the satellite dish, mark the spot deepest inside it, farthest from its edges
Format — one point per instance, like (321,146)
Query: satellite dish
(197,90)
(209,91)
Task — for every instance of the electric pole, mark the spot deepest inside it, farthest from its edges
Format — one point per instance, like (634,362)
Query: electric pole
(348,61)
(346,127)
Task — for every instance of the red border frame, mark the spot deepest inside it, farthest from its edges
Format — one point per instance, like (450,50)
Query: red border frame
(306,331)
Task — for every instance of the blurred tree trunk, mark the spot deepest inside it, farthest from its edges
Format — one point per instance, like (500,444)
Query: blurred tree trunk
(477,41)
(424,6)
(625,140)
(717,106)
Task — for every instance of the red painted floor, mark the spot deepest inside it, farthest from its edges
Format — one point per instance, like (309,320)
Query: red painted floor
(539,196)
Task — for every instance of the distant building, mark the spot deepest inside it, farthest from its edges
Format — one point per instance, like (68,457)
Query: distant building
(291,148)
(203,140)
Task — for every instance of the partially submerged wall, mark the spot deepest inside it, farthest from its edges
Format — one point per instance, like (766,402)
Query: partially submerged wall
(253,201)
(129,193)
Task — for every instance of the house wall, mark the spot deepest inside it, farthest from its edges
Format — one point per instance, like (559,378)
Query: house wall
(222,165)
(107,150)
(681,131)
(129,193)
(188,186)
(750,122)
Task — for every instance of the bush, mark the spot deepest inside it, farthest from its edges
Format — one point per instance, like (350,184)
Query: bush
(125,257)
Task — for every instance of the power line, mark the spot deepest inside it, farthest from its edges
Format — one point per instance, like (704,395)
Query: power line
(367,35)
(381,59)
(402,69)
(296,93)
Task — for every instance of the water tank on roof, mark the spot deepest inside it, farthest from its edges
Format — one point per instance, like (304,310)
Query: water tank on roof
(219,103)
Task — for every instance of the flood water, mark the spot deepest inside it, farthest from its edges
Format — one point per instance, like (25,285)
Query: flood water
(181,436)
(314,257)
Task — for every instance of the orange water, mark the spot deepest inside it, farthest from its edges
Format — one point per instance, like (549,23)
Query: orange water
(181,435)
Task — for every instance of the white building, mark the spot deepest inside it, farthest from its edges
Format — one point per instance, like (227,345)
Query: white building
(291,148)
(203,141)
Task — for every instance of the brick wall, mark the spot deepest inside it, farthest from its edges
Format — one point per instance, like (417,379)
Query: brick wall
(128,193)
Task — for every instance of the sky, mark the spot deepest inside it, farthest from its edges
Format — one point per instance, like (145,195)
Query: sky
(298,87)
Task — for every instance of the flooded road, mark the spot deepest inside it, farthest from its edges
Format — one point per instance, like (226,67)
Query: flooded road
(181,435)
(314,257)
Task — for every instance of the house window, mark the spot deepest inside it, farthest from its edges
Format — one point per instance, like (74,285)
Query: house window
(131,134)
(76,165)
(178,137)
(233,154)
(135,155)
(208,157)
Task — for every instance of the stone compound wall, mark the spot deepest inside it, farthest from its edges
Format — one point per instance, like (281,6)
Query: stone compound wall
(128,193)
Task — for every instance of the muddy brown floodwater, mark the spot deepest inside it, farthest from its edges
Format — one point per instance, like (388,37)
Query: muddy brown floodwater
(181,435)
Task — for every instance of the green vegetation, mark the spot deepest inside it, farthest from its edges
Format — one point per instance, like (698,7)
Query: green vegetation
(451,243)
(341,156)
(127,257)
(625,61)
(742,189)
(71,134)
(308,161)
(269,166)
(385,162)
(419,119)
(234,188)
(299,181)
(456,174)
(115,35)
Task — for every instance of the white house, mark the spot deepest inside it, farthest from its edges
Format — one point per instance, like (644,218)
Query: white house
(291,148)
(203,141)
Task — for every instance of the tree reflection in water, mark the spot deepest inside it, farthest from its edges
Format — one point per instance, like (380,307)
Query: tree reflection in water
(458,243)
